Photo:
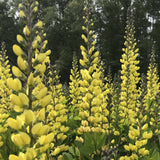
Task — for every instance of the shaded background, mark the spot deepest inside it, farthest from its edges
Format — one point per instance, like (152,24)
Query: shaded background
(63,19)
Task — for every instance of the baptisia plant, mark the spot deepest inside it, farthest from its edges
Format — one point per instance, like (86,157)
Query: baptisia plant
(30,133)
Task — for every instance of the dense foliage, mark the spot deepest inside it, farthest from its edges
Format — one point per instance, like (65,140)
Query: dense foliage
(95,117)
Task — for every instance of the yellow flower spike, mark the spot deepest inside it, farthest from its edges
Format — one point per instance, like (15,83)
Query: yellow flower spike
(39,24)
(16,100)
(45,101)
(16,71)
(30,80)
(26,31)
(13,124)
(29,116)
(21,63)
(22,14)
(13,157)
(17,50)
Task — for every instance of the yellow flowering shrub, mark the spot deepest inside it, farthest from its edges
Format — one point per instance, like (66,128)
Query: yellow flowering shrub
(100,118)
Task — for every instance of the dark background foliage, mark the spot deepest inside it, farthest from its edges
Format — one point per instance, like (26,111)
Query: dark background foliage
(63,21)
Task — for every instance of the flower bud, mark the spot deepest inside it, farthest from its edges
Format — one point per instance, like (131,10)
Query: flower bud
(22,14)
(39,24)
(21,63)
(26,31)
(30,79)
(17,50)
(16,71)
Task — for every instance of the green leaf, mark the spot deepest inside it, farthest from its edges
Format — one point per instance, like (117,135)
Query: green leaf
(155,156)
(67,156)
(101,140)
(72,151)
